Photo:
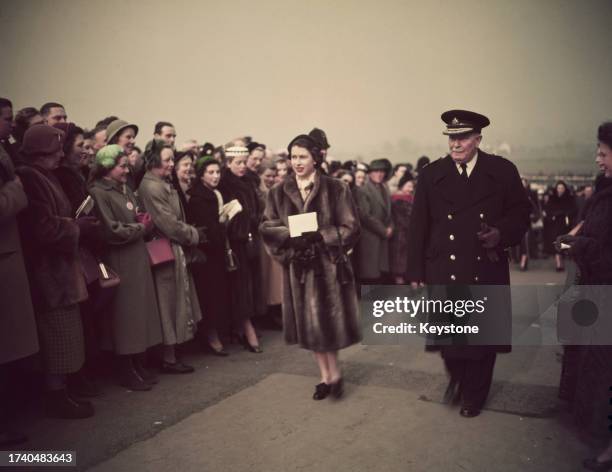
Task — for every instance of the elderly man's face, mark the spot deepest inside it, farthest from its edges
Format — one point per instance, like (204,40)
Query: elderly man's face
(463,147)
(56,115)
(377,176)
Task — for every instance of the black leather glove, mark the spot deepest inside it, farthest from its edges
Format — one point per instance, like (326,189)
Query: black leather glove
(300,243)
(312,237)
(196,256)
(565,239)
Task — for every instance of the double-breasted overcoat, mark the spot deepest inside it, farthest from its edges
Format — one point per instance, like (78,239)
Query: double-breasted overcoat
(448,212)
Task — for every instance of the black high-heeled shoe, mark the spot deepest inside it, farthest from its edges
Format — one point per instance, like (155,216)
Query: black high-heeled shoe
(248,346)
(221,352)
(321,391)
(336,389)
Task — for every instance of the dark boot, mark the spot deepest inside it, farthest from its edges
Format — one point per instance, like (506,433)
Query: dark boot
(129,377)
(59,405)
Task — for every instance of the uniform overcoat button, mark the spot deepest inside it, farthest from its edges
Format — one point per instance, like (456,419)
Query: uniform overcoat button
(477,258)
(452,257)
(475,279)
(482,216)
(453,277)
(450,217)
(452,237)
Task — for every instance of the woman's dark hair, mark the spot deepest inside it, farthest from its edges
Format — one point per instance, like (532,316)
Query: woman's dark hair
(152,153)
(72,131)
(344,172)
(98,171)
(567,192)
(22,122)
(604,133)
(313,148)
(334,166)
(178,155)
(407,177)
(206,162)
(397,166)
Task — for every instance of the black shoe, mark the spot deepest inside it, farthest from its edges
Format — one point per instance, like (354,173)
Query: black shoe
(60,405)
(337,389)
(146,375)
(12,438)
(176,368)
(560,269)
(82,385)
(248,346)
(214,351)
(594,464)
(469,412)
(321,391)
(131,379)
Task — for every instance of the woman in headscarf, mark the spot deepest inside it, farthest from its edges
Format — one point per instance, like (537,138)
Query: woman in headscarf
(50,237)
(133,314)
(320,310)
(233,186)
(176,296)
(211,278)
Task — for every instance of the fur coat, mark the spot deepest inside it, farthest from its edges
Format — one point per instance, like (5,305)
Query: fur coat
(319,313)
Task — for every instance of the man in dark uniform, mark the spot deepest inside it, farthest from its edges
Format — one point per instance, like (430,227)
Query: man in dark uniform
(469,207)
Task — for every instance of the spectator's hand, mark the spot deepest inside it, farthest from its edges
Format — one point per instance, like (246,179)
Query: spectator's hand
(312,237)
(415,285)
(389,232)
(87,224)
(18,181)
(489,236)
(564,243)
(146,220)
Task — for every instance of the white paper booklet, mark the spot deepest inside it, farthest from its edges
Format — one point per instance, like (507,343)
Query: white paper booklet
(85,207)
(302,223)
(231,209)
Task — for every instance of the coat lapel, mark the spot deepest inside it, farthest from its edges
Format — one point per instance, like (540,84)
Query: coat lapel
(449,184)
(481,184)
(290,189)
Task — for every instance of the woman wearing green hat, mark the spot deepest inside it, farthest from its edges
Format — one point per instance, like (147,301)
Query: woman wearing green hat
(134,315)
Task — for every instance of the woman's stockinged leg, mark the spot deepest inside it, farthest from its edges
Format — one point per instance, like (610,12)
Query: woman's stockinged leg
(334,369)
(321,358)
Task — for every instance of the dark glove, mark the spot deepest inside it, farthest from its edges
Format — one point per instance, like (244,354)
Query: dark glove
(196,256)
(312,237)
(299,244)
(202,234)
(565,239)
(489,236)
(87,224)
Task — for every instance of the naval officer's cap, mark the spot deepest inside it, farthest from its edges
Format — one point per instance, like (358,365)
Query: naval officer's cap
(463,122)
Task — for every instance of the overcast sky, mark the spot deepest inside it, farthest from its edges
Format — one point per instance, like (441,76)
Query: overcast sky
(368,72)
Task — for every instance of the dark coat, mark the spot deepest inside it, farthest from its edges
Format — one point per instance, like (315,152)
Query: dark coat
(443,248)
(50,239)
(73,184)
(401,210)
(134,315)
(374,205)
(593,247)
(560,214)
(241,228)
(319,314)
(18,336)
(211,278)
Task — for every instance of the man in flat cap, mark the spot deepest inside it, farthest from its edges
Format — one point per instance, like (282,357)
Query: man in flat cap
(469,207)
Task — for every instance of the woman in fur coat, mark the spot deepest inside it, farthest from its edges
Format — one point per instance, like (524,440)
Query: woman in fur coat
(319,298)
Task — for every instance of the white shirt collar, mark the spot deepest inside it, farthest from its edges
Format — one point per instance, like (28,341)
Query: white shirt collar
(470,165)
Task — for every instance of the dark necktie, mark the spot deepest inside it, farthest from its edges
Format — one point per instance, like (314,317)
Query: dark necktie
(464,174)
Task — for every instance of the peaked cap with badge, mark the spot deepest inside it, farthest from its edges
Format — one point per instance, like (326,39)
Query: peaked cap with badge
(463,121)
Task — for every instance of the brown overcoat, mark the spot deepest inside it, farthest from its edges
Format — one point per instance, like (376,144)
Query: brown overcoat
(18,337)
(319,314)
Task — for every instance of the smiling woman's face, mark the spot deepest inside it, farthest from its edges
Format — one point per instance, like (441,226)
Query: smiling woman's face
(302,162)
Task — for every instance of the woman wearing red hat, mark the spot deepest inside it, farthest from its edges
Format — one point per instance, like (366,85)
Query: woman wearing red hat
(320,311)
